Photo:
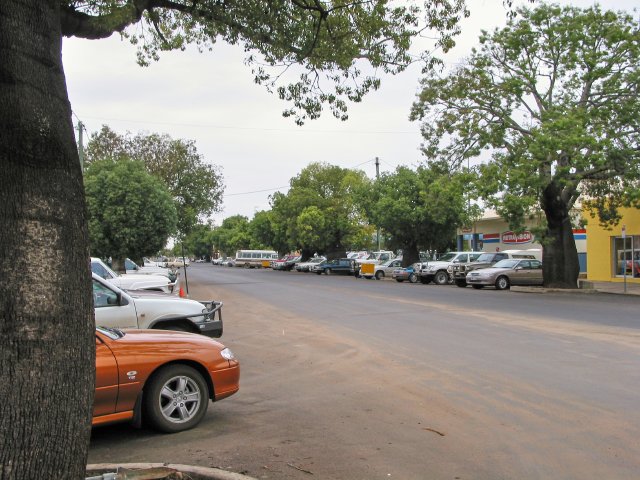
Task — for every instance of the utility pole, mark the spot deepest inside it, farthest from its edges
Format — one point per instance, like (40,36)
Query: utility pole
(377,177)
(80,144)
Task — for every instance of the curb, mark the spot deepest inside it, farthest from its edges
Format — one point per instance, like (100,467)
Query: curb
(579,291)
(552,290)
(196,473)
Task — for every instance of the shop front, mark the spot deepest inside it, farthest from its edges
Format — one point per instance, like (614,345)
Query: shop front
(614,255)
(492,234)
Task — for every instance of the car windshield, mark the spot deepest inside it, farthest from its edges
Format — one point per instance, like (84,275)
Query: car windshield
(317,260)
(130,264)
(103,270)
(506,263)
(447,257)
(112,333)
(485,257)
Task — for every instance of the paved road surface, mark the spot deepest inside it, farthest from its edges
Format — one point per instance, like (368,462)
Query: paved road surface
(358,379)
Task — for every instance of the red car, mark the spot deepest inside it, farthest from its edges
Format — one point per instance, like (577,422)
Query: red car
(164,378)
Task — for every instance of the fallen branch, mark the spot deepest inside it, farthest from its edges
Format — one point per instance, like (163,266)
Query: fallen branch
(298,468)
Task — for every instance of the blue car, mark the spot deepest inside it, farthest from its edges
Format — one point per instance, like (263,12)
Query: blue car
(408,273)
(345,266)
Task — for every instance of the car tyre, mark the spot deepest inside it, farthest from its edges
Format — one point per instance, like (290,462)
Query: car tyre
(163,407)
(461,283)
(502,283)
(413,278)
(441,278)
(328,271)
(379,274)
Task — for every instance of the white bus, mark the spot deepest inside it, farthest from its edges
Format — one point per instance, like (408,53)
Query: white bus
(255,258)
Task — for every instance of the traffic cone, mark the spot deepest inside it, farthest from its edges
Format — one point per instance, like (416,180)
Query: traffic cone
(181,293)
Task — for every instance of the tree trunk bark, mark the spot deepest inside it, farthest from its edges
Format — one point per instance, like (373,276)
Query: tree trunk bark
(410,255)
(336,251)
(560,264)
(47,337)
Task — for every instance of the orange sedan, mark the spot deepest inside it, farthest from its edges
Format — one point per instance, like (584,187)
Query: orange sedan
(164,378)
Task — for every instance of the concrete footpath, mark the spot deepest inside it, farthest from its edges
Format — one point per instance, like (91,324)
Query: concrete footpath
(158,471)
(587,286)
(632,288)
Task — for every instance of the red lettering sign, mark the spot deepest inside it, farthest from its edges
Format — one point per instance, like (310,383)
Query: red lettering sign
(512,237)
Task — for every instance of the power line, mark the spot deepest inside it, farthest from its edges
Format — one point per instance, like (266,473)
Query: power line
(255,191)
(367,161)
(262,129)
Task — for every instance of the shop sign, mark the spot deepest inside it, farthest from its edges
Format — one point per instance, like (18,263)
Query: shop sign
(517,238)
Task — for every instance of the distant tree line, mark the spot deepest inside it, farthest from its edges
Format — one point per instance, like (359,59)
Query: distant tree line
(547,107)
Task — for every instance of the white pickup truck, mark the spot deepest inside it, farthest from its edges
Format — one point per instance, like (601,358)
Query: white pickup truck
(438,271)
(116,308)
(132,281)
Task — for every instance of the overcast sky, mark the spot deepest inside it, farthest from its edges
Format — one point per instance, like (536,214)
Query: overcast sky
(237,125)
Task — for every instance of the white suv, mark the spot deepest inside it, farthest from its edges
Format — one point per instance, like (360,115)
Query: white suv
(437,271)
(132,281)
(116,308)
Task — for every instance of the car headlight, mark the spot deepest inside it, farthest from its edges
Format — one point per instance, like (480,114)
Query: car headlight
(227,354)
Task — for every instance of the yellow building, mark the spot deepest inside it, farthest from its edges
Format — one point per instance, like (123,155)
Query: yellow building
(612,254)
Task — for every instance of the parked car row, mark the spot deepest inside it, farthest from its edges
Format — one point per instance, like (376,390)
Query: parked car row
(479,269)
(149,280)
(224,261)
(459,271)
(161,377)
(151,268)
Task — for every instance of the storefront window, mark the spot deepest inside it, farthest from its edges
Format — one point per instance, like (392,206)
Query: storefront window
(627,256)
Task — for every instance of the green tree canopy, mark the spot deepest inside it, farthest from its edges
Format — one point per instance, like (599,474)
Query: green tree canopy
(261,230)
(131,213)
(555,96)
(232,235)
(330,43)
(320,212)
(198,242)
(419,209)
(195,185)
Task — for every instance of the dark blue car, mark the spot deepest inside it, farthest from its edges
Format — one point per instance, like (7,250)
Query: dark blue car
(344,266)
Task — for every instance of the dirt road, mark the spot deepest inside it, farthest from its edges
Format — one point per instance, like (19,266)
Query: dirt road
(325,403)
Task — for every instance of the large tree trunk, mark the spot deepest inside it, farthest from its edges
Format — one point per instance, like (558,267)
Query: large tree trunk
(560,262)
(46,332)
(410,254)
(336,250)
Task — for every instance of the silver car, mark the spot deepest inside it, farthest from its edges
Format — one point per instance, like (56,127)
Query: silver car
(506,273)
